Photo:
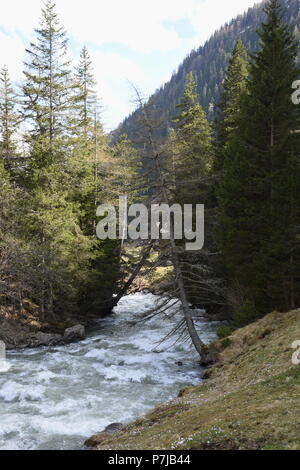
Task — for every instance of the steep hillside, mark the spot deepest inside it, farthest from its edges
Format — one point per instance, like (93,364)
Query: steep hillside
(249,400)
(209,64)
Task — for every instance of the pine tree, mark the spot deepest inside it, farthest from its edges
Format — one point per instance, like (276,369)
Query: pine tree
(8,120)
(259,194)
(86,144)
(85,95)
(192,152)
(234,86)
(46,90)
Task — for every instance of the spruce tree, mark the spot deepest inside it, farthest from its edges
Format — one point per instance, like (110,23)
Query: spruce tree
(86,144)
(123,171)
(8,120)
(259,195)
(192,153)
(46,89)
(85,95)
(234,86)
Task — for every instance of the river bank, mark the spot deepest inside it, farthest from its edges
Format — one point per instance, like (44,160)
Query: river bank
(249,400)
(21,336)
(54,397)
(23,330)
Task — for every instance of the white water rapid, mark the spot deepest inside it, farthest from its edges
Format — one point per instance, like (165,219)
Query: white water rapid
(55,398)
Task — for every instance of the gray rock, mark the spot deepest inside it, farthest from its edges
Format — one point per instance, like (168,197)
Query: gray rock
(97,439)
(45,339)
(76,333)
(113,428)
(18,336)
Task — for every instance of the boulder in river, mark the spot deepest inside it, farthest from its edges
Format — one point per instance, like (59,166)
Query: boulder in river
(45,339)
(76,333)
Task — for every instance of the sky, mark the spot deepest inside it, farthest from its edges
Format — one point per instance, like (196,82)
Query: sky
(140,41)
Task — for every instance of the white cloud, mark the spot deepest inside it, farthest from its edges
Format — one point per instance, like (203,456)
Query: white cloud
(114,73)
(135,23)
(12,53)
(139,23)
(210,15)
(19,15)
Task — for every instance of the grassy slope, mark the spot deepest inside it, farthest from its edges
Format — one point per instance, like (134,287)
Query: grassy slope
(250,400)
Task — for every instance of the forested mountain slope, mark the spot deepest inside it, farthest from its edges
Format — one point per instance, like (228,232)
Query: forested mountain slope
(208,63)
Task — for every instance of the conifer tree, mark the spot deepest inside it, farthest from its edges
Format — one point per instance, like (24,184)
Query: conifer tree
(87,143)
(8,120)
(259,194)
(6,200)
(192,153)
(85,95)
(234,86)
(123,171)
(46,90)
(6,222)
(15,278)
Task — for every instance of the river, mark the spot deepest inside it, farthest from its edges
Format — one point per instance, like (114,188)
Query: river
(55,398)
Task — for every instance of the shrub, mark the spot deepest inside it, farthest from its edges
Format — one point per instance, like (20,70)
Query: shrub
(246,315)
(224,331)
(226,342)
